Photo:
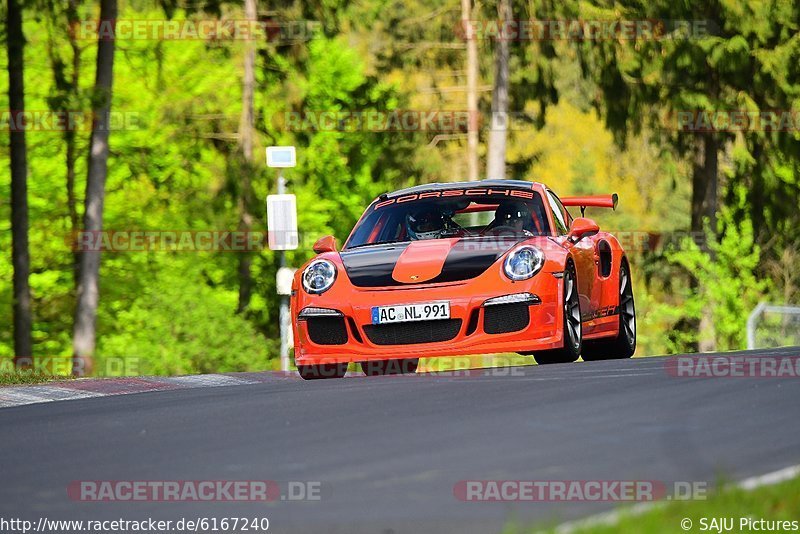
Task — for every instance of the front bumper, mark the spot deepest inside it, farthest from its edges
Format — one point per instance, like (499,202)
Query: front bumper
(472,328)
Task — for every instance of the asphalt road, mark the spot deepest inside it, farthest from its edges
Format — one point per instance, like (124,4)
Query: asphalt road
(388,451)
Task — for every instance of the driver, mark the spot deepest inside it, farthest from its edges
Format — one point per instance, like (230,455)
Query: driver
(513,215)
(425,223)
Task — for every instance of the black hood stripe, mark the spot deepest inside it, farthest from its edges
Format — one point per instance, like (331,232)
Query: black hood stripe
(372,266)
(468,258)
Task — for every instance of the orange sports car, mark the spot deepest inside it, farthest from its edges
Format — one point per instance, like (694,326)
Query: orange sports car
(464,268)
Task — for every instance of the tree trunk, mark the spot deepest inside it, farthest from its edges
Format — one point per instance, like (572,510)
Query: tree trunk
(89,275)
(704,209)
(246,127)
(20,255)
(704,184)
(472,90)
(496,163)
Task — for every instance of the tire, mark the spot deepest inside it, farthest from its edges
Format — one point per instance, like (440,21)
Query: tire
(390,367)
(322,371)
(624,345)
(572,328)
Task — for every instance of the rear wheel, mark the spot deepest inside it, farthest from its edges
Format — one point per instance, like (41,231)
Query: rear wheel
(390,367)
(624,345)
(572,327)
(323,370)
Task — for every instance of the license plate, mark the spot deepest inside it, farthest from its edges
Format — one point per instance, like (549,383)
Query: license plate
(425,311)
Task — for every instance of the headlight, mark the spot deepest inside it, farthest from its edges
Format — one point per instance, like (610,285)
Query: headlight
(319,276)
(523,263)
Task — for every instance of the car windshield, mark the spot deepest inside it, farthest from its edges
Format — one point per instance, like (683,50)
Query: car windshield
(451,213)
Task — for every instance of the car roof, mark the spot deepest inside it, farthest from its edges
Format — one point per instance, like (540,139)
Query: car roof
(442,186)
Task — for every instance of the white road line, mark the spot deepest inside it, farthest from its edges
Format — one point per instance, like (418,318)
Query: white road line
(612,517)
(776,477)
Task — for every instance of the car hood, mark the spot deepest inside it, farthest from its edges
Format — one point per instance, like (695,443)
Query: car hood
(427,261)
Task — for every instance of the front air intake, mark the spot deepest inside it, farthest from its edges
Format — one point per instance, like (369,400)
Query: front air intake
(413,332)
(327,330)
(505,318)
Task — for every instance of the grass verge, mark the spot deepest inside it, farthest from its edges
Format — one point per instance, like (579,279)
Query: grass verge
(741,509)
(29,376)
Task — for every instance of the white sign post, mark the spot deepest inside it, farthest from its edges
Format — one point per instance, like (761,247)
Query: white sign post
(282,235)
(283,280)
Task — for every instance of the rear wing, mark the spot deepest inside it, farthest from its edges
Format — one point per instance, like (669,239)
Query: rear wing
(595,201)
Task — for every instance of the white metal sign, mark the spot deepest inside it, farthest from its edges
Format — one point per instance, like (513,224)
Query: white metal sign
(281,156)
(282,222)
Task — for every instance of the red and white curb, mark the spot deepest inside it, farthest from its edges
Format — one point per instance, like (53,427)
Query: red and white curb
(104,387)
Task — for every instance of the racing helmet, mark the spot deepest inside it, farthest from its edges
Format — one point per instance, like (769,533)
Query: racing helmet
(425,223)
(509,213)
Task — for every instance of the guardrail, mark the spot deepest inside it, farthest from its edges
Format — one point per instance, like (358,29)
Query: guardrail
(759,311)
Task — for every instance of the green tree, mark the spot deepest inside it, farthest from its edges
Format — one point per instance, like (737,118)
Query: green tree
(729,286)
(730,56)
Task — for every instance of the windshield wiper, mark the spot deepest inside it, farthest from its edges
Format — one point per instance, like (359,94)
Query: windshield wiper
(351,247)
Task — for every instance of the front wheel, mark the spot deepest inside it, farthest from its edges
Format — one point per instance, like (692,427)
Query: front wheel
(390,367)
(572,328)
(323,370)
(624,345)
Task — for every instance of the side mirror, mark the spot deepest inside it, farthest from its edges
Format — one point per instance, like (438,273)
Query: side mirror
(580,228)
(325,244)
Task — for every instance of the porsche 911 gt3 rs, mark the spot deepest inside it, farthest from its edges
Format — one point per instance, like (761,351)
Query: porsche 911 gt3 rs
(464,268)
